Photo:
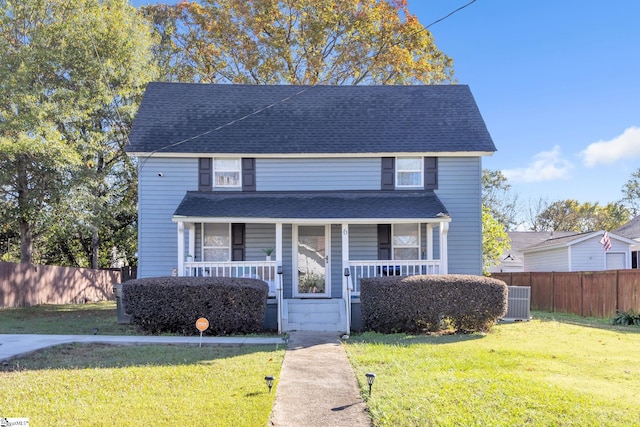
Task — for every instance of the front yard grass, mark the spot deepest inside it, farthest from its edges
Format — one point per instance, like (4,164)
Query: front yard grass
(557,370)
(101,385)
(64,319)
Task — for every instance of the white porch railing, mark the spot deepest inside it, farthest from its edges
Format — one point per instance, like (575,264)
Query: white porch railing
(263,270)
(366,269)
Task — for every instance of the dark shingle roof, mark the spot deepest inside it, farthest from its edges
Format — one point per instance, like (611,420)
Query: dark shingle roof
(308,119)
(630,230)
(317,205)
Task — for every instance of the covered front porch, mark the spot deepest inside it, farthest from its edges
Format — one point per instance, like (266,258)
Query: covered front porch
(314,266)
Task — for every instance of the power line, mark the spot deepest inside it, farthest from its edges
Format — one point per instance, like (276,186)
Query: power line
(307,88)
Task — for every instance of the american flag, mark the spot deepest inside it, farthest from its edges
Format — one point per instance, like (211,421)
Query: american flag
(606,241)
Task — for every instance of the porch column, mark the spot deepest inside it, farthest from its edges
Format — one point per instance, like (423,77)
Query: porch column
(279,243)
(430,242)
(346,291)
(279,284)
(444,250)
(180,248)
(345,255)
(192,240)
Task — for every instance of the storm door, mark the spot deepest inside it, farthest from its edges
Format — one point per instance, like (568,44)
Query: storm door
(311,261)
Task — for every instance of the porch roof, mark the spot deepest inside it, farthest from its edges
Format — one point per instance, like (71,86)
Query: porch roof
(346,205)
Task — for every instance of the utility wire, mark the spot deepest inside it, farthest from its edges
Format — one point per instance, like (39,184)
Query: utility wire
(306,88)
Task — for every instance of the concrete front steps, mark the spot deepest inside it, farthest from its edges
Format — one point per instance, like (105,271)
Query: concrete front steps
(327,315)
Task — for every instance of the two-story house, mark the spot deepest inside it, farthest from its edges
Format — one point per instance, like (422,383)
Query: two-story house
(309,188)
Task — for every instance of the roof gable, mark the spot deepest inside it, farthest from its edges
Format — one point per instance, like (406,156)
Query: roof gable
(264,119)
(566,241)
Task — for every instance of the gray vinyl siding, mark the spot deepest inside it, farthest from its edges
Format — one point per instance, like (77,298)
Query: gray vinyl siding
(549,260)
(316,174)
(363,242)
(158,198)
(459,189)
(588,255)
(257,238)
(436,241)
(336,261)
(287,260)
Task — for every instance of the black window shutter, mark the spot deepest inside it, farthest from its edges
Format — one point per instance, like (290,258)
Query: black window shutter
(388,173)
(384,241)
(430,173)
(205,171)
(237,242)
(248,174)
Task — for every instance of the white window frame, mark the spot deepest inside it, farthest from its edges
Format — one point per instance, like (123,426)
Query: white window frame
(237,170)
(394,246)
(203,247)
(419,171)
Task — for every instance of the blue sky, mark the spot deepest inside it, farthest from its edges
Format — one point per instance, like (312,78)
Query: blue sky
(557,84)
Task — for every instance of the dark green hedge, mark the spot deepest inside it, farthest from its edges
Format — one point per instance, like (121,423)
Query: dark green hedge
(173,304)
(418,303)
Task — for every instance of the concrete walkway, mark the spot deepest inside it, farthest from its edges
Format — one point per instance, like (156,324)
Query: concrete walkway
(15,345)
(317,386)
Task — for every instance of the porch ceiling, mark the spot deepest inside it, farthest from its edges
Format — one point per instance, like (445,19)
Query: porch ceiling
(345,205)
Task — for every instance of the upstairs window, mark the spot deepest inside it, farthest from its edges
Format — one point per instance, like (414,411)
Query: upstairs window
(226,172)
(406,241)
(409,172)
(216,243)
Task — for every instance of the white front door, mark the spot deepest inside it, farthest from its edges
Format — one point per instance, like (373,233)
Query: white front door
(311,261)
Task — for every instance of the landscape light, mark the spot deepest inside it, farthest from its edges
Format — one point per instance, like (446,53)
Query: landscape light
(371,377)
(269,379)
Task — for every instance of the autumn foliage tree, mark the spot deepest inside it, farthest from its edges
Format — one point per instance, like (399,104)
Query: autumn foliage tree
(571,215)
(296,42)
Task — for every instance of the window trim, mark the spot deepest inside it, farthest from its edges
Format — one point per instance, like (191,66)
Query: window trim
(420,171)
(214,172)
(418,246)
(203,246)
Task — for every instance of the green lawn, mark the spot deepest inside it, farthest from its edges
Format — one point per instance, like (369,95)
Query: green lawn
(65,319)
(100,385)
(557,370)
(568,372)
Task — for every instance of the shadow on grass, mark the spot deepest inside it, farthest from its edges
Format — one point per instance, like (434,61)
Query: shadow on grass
(67,319)
(110,356)
(589,322)
(408,339)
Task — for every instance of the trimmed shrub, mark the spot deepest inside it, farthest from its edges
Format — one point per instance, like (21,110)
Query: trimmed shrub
(419,303)
(173,304)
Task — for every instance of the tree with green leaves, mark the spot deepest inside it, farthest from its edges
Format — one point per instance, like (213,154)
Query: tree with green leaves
(498,198)
(71,75)
(296,42)
(570,215)
(631,193)
(495,240)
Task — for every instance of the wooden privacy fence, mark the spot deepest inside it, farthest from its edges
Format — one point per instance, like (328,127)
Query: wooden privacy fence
(586,293)
(26,284)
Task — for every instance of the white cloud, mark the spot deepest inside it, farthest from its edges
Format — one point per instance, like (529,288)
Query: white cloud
(545,166)
(624,146)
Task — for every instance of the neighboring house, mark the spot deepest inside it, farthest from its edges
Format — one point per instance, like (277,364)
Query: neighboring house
(344,182)
(631,230)
(579,252)
(512,261)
